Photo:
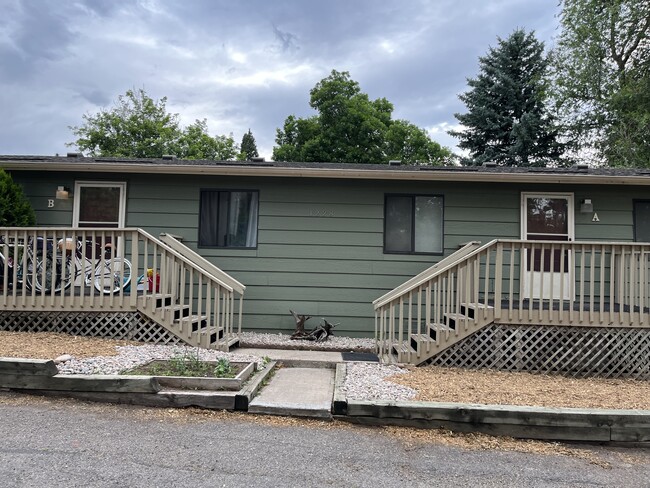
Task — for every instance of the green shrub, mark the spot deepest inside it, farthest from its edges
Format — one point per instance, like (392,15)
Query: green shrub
(15,209)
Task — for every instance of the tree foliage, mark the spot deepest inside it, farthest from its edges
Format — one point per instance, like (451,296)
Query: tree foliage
(507,120)
(194,142)
(140,127)
(248,147)
(15,209)
(351,128)
(600,64)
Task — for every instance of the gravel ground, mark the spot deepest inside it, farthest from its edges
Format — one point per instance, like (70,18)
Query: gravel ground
(284,341)
(365,381)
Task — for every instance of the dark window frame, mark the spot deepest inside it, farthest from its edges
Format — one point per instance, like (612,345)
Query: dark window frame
(413,197)
(226,190)
(634,202)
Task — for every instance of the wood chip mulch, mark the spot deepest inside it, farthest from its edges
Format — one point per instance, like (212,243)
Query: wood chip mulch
(456,385)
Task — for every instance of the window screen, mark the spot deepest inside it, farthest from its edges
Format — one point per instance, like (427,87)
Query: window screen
(413,224)
(228,218)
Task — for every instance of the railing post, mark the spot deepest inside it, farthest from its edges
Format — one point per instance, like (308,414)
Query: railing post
(498,276)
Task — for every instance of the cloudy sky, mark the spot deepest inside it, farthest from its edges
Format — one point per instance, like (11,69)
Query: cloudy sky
(241,64)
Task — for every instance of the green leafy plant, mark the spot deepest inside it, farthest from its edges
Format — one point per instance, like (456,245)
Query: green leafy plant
(187,364)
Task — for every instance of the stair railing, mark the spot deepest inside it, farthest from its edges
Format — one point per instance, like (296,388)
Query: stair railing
(427,298)
(238,288)
(547,283)
(185,296)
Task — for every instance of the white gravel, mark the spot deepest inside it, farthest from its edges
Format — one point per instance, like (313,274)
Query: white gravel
(364,381)
(284,341)
(131,356)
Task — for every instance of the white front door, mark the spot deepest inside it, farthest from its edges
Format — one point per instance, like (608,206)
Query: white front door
(99,204)
(547,217)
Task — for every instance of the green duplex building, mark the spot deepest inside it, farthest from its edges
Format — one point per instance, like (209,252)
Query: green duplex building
(328,240)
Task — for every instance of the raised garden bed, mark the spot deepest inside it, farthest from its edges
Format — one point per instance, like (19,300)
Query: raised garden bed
(210,377)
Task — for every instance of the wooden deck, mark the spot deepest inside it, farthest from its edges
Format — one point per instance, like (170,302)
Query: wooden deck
(513,282)
(89,271)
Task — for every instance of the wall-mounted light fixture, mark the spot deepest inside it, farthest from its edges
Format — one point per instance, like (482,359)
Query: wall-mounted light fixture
(63,193)
(586,206)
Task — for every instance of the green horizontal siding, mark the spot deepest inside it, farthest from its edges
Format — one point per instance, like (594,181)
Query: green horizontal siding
(320,242)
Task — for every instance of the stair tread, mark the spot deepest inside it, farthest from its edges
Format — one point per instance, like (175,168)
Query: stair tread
(440,327)
(191,318)
(422,338)
(404,347)
(477,305)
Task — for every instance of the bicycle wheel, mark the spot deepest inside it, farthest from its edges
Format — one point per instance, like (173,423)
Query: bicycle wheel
(112,275)
(48,275)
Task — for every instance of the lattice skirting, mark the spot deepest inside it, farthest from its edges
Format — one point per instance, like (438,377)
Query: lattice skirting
(111,325)
(568,351)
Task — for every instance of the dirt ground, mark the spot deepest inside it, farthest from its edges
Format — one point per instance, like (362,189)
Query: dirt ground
(433,383)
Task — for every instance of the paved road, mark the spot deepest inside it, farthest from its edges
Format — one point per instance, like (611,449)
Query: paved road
(63,443)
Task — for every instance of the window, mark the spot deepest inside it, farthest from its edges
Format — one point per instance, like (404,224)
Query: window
(642,220)
(413,224)
(228,218)
(99,204)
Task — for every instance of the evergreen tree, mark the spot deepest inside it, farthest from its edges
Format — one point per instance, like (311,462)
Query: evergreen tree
(248,147)
(507,121)
(15,209)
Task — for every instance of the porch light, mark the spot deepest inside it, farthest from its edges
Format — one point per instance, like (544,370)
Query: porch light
(586,206)
(63,193)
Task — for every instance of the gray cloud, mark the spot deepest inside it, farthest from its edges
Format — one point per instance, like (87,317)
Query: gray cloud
(241,65)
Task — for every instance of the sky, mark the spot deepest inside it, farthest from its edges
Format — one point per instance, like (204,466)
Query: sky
(244,64)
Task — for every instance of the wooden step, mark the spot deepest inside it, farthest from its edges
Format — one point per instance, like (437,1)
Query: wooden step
(419,342)
(402,351)
(470,309)
(195,321)
(178,311)
(434,329)
(216,333)
(451,320)
(160,299)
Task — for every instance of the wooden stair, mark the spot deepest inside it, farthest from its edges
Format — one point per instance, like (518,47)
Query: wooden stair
(176,318)
(438,337)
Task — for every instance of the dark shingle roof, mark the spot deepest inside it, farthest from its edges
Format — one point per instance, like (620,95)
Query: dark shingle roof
(76,162)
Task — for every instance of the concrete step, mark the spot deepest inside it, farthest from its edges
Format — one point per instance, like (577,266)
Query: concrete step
(298,392)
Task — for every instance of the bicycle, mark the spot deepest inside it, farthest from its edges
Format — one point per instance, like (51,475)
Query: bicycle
(22,262)
(108,273)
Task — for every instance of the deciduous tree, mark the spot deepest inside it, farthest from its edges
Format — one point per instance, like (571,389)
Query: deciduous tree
(140,127)
(351,128)
(601,63)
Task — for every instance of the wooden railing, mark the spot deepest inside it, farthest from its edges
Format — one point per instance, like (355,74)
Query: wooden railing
(590,284)
(59,268)
(238,288)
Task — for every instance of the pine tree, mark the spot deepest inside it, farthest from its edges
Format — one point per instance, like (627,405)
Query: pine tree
(507,121)
(248,146)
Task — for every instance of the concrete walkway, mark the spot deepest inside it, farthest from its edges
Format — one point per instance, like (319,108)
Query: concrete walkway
(300,392)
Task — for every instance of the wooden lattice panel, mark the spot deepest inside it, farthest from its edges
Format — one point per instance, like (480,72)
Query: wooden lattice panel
(569,351)
(111,325)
